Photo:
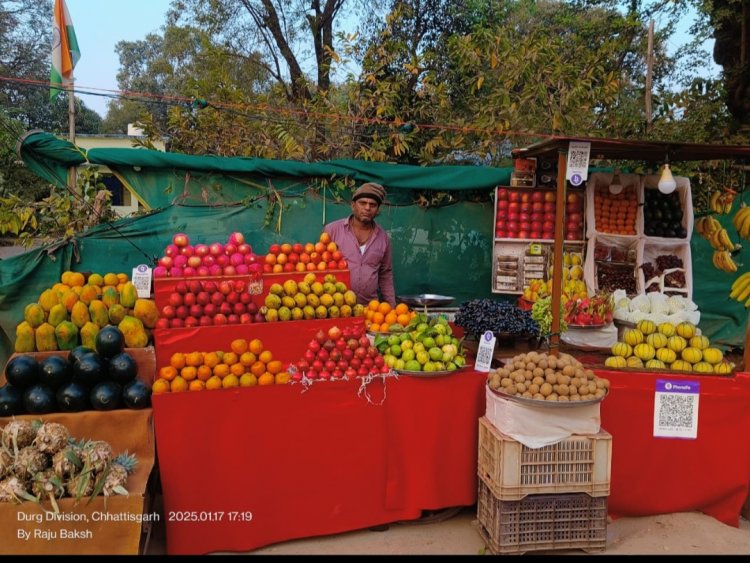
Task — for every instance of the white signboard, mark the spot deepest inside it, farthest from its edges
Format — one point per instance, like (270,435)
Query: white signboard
(485,352)
(578,162)
(142,280)
(676,409)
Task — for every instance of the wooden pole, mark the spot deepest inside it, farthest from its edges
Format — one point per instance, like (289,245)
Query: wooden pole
(649,71)
(557,253)
(72,176)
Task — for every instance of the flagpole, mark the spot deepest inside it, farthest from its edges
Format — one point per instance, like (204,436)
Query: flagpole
(72,176)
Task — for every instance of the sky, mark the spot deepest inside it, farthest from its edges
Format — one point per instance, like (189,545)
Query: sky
(100,25)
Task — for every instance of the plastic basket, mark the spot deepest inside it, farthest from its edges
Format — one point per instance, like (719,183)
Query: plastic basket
(542,522)
(578,464)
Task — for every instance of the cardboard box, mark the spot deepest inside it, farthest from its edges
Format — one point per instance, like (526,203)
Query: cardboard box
(111,525)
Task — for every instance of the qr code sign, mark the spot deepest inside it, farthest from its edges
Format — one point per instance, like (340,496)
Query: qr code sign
(578,158)
(484,356)
(676,415)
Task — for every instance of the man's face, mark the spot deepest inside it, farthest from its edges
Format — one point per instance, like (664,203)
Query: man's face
(365,209)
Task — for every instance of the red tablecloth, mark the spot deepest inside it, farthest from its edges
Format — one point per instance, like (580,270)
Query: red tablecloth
(313,462)
(661,475)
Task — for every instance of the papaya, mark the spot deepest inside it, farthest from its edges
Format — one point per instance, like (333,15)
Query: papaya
(134,332)
(128,295)
(116,313)
(66,334)
(88,334)
(44,337)
(110,296)
(48,299)
(145,310)
(89,293)
(79,316)
(34,314)
(57,314)
(24,338)
(69,298)
(98,313)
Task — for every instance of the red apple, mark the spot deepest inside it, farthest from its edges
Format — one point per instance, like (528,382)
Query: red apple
(201,250)
(514,195)
(548,226)
(176,323)
(525,207)
(216,249)
(225,309)
(513,206)
(246,318)
(171,250)
(236,238)
(310,355)
(191,321)
(311,374)
(274,249)
(210,309)
(316,364)
(180,240)
(168,312)
(220,319)
(233,319)
(175,272)
(549,207)
(162,323)
(160,272)
(342,265)
(229,270)
(350,373)
(537,196)
(187,250)
(217,298)
(550,196)
(238,308)
(298,248)
(355,363)
(180,261)
(189,299)
(502,194)
(523,234)
(181,312)
(175,299)
(502,205)
(166,262)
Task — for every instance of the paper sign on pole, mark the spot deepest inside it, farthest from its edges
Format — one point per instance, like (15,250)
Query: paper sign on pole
(577,169)
(676,409)
(142,280)
(485,352)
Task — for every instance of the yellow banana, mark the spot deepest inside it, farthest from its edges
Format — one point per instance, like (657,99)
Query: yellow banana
(740,217)
(725,240)
(700,225)
(727,204)
(729,262)
(713,225)
(741,288)
(715,260)
(744,294)
(742,279)
(715,240)
(713,202)
(744,230)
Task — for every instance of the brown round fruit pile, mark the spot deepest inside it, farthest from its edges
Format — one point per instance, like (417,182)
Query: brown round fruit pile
(538,375)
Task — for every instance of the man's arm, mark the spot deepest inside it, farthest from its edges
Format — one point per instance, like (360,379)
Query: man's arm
(385,276)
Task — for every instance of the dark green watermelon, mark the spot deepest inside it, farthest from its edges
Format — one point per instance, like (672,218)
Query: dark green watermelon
(39,399)
(109,341)
(106,396)
(54,371)
(77,353)
(89,370)
(122,368)
(136,395)
(22,371)
(11,400)
(73,397)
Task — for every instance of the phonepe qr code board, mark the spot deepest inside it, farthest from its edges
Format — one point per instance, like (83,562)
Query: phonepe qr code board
(485,352)
(676,409)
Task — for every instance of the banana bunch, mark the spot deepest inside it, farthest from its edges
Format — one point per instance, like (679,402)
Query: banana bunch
(721,202)
(741,221)
(741,289)
(711,230)
(723,261)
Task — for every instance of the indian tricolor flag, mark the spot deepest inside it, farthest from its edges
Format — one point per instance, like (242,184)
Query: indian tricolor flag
(65,52)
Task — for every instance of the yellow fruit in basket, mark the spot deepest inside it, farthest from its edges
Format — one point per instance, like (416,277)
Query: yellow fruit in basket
(703,367)
(685,329)
(622,349)
(666,355)
(644,351)
(701,342)
(681,365)
(616,362)
(667,329)
(712,355)
(676,343)
(632,336)
(657,340)
(646,326)
(692,355)
(724,367)
(634,362)
(655,364)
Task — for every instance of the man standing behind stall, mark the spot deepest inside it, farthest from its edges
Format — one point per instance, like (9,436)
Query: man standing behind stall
(366,246)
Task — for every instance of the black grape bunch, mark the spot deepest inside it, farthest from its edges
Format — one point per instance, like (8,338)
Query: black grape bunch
(477,316)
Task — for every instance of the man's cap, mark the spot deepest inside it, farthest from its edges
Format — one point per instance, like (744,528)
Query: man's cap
(371,190)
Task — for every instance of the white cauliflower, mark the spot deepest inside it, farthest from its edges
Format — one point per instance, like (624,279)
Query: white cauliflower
(621,314)
(636,316)
(640,303)
(658,318)
(659,303)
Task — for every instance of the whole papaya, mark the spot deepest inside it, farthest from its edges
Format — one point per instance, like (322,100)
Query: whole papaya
(66,334)
(128,295)
(44,337)
(34,314)
(145,310)
(88,334)
(98,313)
(134,332)
(79,316)
(57,314)
(24,338)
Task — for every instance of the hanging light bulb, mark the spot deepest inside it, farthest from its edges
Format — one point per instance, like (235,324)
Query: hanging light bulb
(615,186)
(667,183)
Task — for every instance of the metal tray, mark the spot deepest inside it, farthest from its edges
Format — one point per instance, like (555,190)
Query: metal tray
(430,374)
(547,404)
(426,300)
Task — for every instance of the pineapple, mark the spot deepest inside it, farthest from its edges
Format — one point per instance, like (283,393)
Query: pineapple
(6,463)
(116,475)
(51,438)
(18,434)
(29,462)
(67,462)
(46,485)
(13,489)
(80,485)
(96,456)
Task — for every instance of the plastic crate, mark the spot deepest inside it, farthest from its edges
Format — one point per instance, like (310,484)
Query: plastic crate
(579,464)
(542,522)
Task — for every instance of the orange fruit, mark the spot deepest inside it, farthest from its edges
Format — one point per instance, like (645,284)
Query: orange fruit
(274,366)
(204,372)
(188,373)
(401,308)
(167,373)
(160,386)
(255,346)
(403,319)
(213,383)
(122,277)
(231,358)
(248,380)
(178,384)
(258,368)
(221,370)
(237,369)
(378,317)
(111,279)
(282,378)
(373,305)
(177,360)
(77,279)
(332,247)
(265,356)
(230,381)
(197,385)
(374,327)
(277,268)
(325,238)
(266,379)
(194,359)
(211,359)
(391,317)
(384,307)
(385,327)
(248,358)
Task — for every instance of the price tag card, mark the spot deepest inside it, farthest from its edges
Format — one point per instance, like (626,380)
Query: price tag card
(142,280)
(676,409)
(485,352)
(577,169)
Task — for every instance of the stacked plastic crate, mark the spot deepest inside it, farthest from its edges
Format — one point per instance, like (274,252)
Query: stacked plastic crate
(548,498)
